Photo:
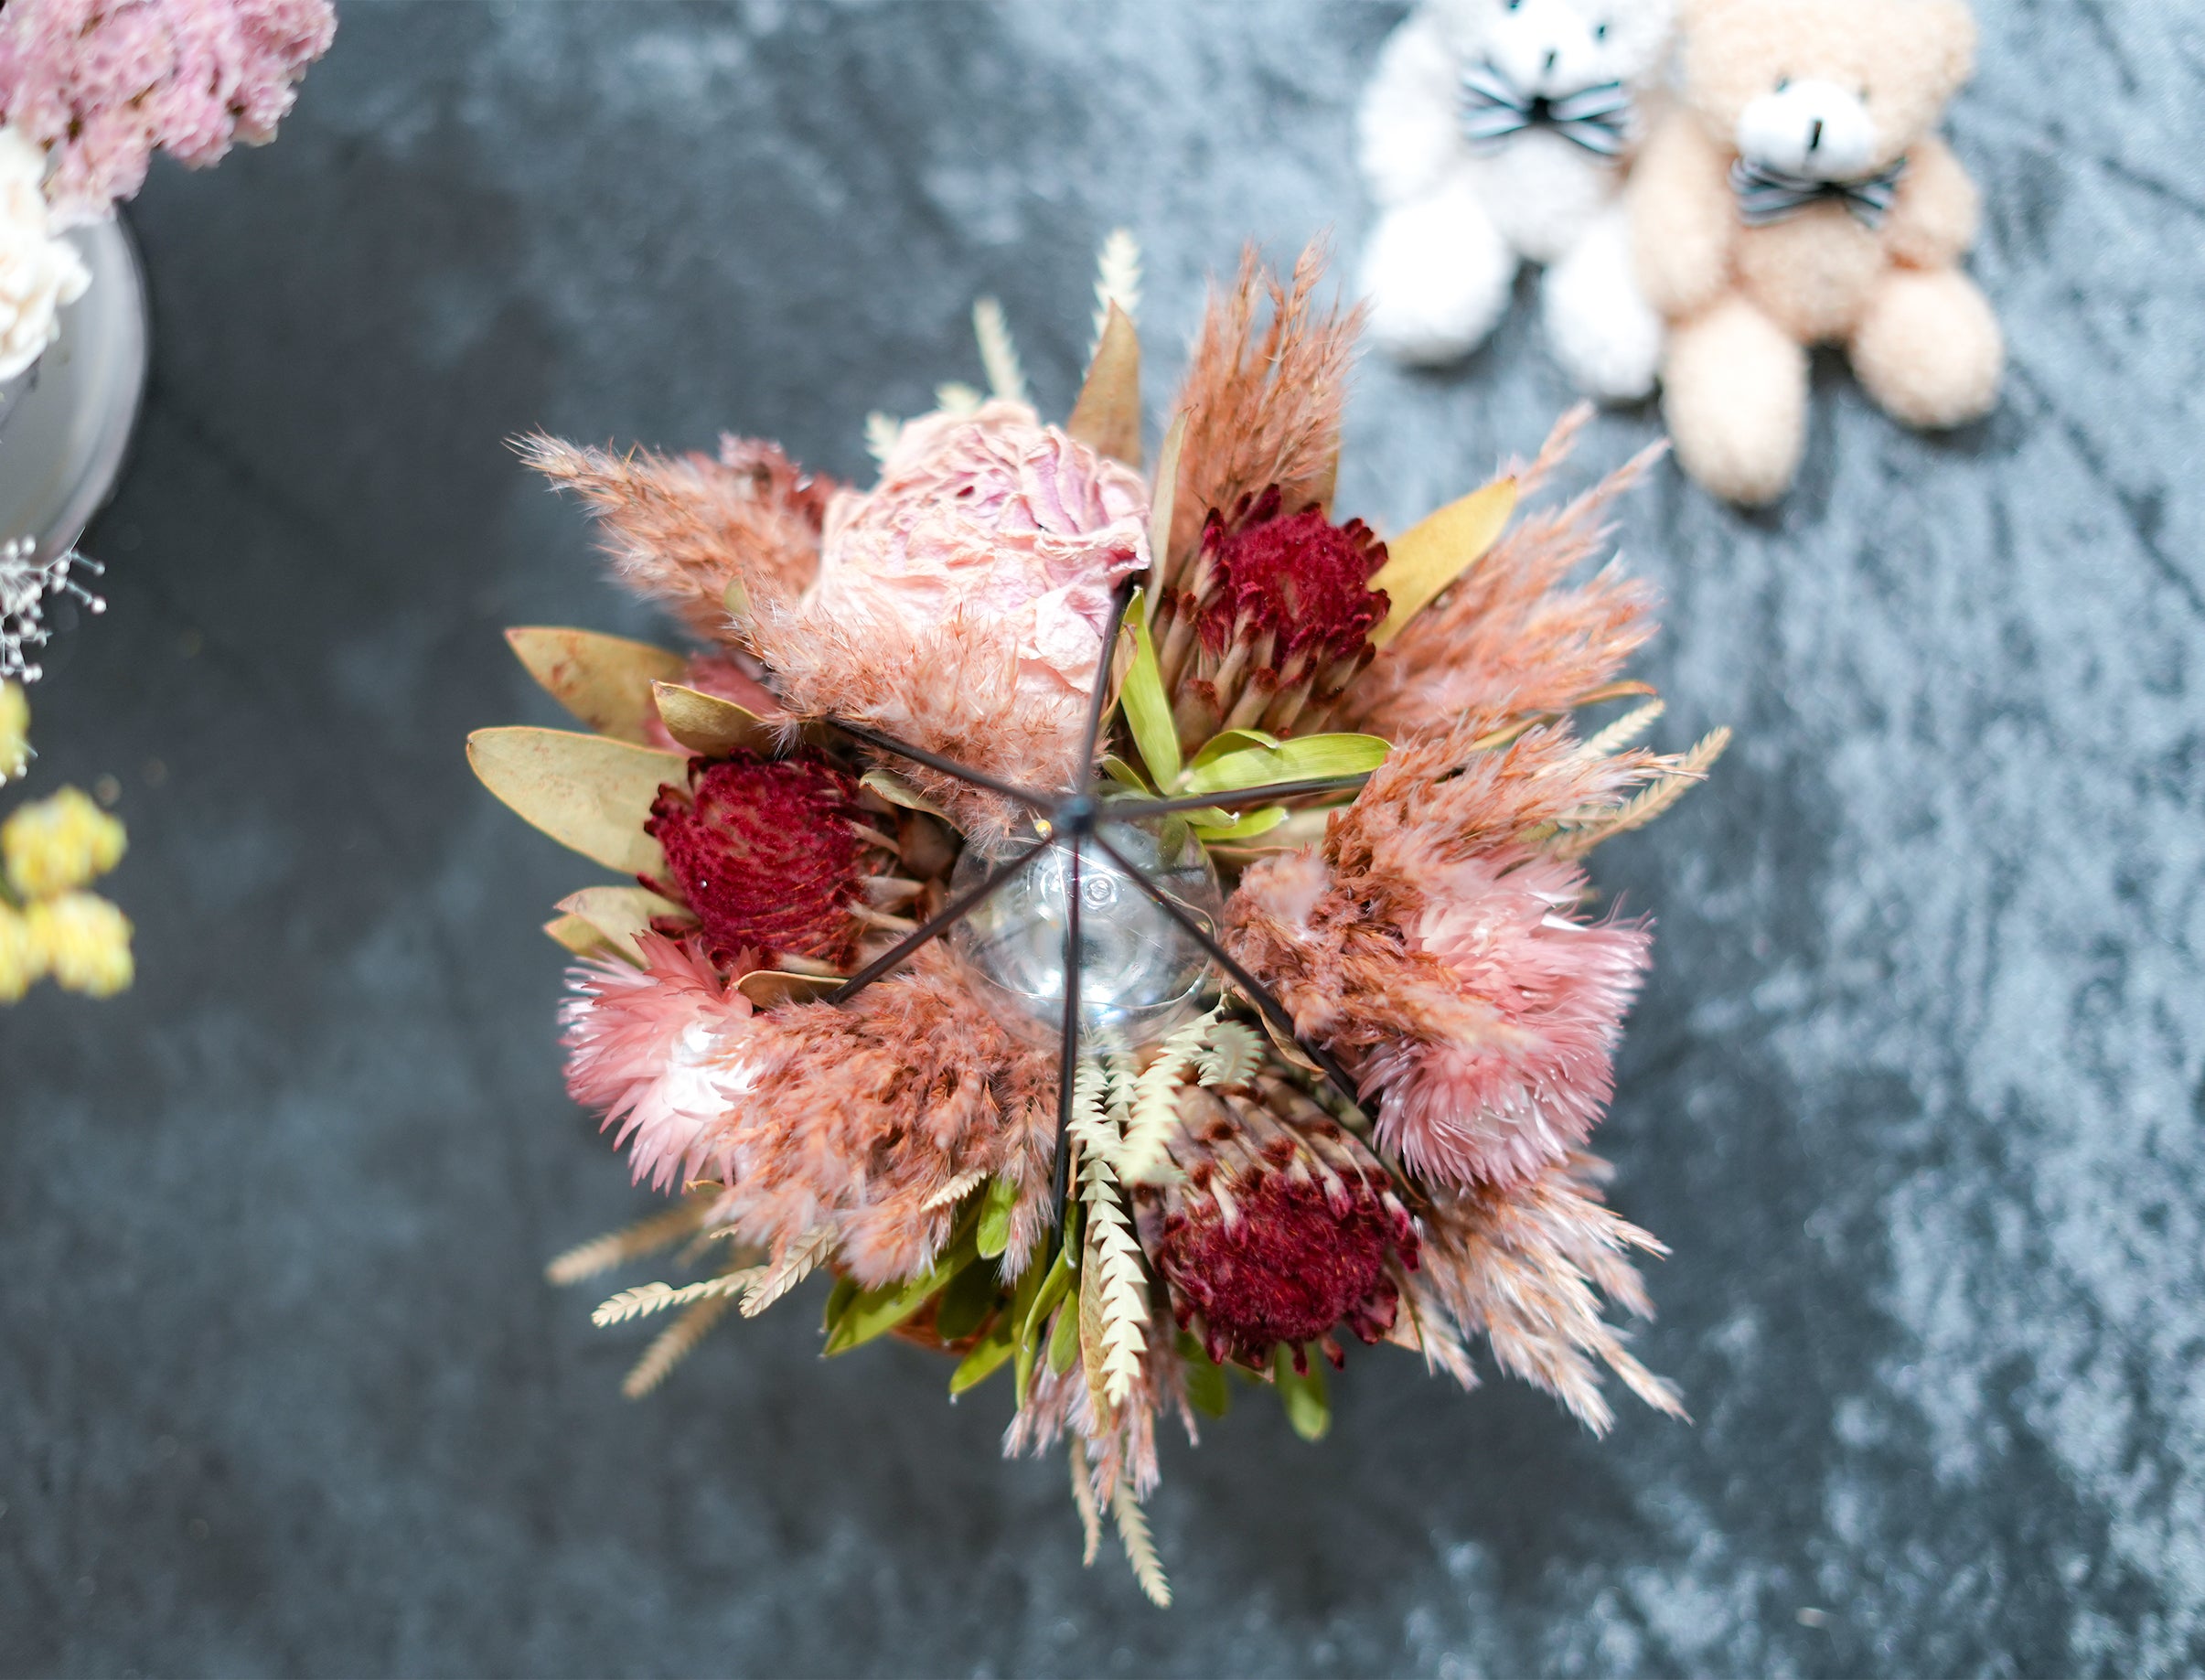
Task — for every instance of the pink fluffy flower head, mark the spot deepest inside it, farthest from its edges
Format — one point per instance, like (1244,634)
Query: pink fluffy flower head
(996,518)
(656,1050)
(101,84)
(1500,1102)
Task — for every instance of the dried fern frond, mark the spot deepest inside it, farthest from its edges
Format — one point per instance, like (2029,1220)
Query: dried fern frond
(1649,802)
(1082,1498)
(1117,281)
(673,1344)
(1140,1549)
(955,397)
(956,1190)
(1232,1055)
(1153,1110)
(998,351)
(601,1254)
(795,1265)
(658,1297)
(1624,730)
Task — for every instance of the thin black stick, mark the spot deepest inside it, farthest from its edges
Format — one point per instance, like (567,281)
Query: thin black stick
(948,766)
(950,914)
(1258,994)
(1068,1057)
(1099,707)
(1136,810)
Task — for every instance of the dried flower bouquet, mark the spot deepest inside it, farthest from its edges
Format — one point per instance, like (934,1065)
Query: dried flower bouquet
(1270,1006)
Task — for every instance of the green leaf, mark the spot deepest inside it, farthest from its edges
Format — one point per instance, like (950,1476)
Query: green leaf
(1261,820)
(1064,1340)
(994,1232)
(1148,708)
(1304,758)
(1051,1290)
(1207,1390)
(966,1302)
(1231,741)
(988,1356)
(1125,775)
(875,1312)
(1307,1409)
(845,1290)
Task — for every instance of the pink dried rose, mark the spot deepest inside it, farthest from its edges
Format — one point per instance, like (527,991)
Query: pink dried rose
(997,518)
(101,84)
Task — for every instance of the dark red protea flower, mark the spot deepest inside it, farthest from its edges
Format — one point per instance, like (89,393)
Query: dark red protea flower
(766,853)
(1277,1229)
(1274,621)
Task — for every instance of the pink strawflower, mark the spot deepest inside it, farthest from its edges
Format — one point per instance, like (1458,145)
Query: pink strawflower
(101,84)
(1500,1102)
(658,1050)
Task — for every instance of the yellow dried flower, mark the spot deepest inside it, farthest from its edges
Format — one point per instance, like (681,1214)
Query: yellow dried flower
(56,845)
(14,730)
(22,959)
(85,942)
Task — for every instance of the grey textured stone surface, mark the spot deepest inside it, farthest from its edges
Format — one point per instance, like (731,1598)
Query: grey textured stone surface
(1914,1092)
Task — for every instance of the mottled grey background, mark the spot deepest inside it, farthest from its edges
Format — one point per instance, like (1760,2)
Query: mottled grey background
(1914,1091)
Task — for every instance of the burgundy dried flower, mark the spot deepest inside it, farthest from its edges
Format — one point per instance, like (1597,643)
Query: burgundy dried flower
(765,853)
(1277,1229)
(1274,622)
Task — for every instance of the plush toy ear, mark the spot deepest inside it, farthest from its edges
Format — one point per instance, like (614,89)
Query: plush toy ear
(1944,33)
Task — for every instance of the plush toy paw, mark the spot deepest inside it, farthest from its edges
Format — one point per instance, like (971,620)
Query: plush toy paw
(1734,391)
(1604,333)
(1929,349)
(1436,275)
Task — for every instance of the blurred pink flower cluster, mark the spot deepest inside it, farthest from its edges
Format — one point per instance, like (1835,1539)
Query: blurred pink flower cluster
(101,84)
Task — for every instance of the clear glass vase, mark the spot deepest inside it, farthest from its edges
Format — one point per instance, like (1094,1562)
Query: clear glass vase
(65,425)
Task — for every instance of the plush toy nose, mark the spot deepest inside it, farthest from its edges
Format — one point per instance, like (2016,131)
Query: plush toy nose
(1814,135)
(1551,56)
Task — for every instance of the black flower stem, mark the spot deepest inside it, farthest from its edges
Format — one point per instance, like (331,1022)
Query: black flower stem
(940,923)
(1139,810)
(1099,708)
(1068,1056)
(1258,994)
(948,767)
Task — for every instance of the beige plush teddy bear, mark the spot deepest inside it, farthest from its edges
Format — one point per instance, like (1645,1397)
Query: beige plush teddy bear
(1799,197)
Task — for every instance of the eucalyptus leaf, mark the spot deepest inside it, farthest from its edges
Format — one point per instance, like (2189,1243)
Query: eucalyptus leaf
(1438,548)
(838,1299)
(711,726)
(584,940)
(604,680)
(1124,773)
(620,914)
(1147,707)
(1107,414)
(1051,1290)
(586,792)
(1307,1408)
(1305,758)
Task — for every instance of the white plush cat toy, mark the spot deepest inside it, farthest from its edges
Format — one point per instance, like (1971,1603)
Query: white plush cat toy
(1496,132)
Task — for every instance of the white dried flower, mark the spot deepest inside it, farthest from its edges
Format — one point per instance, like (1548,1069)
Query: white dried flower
(25,584)
(39,271)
